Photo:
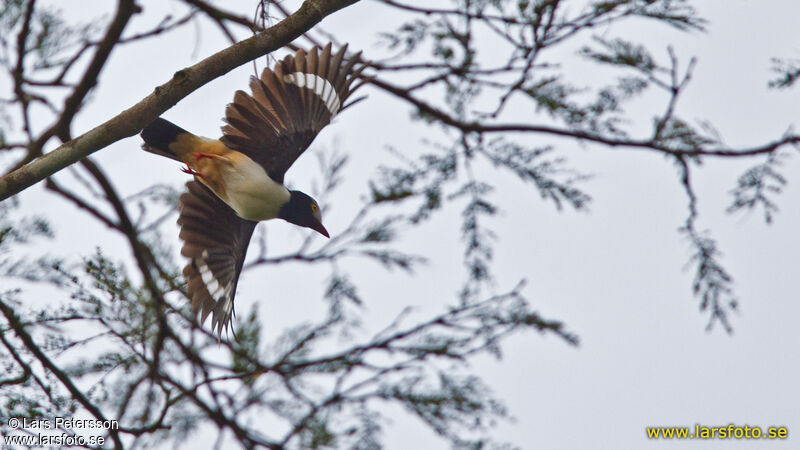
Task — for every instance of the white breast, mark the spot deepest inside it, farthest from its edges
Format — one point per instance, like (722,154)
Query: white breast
(251,192)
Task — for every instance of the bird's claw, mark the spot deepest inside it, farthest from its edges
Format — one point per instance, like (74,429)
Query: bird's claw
(189,171)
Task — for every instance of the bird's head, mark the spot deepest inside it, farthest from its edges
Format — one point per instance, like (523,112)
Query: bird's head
(304,211)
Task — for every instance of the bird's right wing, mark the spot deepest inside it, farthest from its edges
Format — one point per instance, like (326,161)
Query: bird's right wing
(289,106)
(215,240)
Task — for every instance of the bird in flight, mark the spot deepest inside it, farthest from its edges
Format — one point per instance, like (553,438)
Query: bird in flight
(238,179)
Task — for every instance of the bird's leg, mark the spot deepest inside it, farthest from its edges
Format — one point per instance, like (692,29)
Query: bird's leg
(198,156)
(189,170)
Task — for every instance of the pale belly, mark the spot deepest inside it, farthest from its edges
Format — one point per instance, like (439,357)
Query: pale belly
(251,192)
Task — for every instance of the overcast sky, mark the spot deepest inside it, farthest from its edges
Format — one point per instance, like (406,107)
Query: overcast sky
(614,275)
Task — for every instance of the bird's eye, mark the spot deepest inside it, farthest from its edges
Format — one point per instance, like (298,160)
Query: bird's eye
(314,208)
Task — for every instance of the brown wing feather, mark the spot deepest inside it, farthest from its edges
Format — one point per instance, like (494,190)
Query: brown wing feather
(314,94)
(268,105)
(288,107)
(215,241)
(323,70)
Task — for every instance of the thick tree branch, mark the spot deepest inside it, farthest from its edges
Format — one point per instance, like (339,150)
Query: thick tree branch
(184,82)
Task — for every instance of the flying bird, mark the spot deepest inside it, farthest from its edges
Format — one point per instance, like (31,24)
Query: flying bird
(238,179)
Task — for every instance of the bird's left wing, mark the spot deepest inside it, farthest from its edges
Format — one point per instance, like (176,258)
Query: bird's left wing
(289,106)
(215,241)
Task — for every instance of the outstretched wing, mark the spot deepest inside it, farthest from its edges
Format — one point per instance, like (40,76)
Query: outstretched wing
(289,106)
(215,240)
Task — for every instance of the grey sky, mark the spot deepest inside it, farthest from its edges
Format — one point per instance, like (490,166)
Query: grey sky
(614,275)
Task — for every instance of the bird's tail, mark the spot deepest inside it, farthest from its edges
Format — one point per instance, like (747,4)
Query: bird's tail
(159,135)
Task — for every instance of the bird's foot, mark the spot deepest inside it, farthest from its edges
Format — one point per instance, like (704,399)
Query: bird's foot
(191,172)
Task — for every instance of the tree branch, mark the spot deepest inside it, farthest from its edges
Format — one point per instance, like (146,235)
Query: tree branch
(63,377)
(183,83)
(644,144)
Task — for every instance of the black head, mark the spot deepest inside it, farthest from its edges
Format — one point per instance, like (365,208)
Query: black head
(304,211)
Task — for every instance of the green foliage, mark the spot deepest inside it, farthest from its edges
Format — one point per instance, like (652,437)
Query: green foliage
(756,184)
(461,401)
(676,134)
(328,395)
(117,337)
(619,52)
(246,348)
(551,177)
(788,71)
(712,283)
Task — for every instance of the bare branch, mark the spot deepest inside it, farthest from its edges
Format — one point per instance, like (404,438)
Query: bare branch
(642,144)
(64,378)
